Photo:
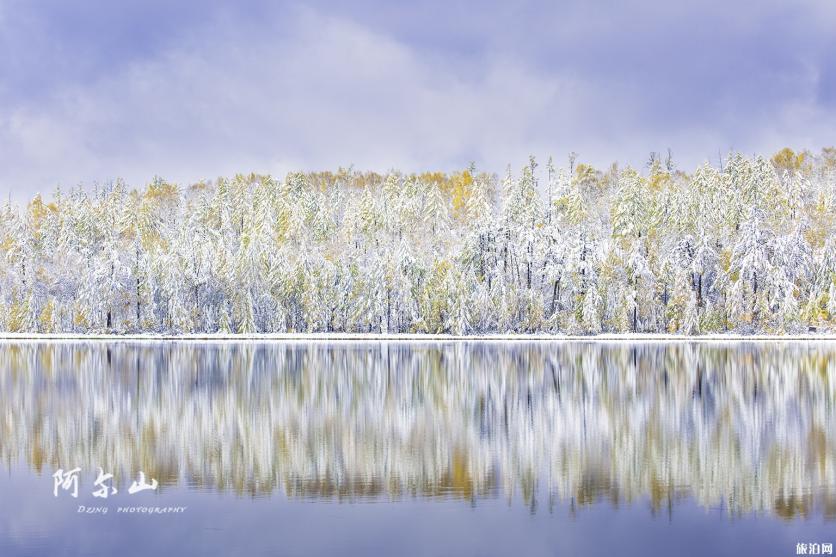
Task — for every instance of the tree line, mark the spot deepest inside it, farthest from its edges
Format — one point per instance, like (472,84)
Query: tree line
(747,245)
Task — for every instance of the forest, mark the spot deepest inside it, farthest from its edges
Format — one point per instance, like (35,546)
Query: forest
(747,245)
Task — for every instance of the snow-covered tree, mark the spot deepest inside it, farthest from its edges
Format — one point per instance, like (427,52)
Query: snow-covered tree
(749,246)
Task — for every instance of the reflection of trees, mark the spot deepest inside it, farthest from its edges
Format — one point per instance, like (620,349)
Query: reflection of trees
(747,427)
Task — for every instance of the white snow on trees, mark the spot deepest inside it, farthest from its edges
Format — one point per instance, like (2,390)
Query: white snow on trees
(749,247)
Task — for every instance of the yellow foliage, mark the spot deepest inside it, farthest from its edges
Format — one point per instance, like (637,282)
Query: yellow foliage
(461,188)
(585,173)
(162,192)
(16,317)
(660,181)
(820,219)
(80,318)
(198,187)
(37,213)
(787,159)
(438,178)
(324,180)
(7,243)
(46,318)
(725,260)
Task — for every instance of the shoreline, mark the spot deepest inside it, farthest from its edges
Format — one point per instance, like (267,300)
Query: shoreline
(414,338)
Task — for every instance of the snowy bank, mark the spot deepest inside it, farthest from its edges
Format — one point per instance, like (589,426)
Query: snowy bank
(376,337)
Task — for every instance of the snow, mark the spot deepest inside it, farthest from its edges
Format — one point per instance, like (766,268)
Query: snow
(377,337)
(748,248)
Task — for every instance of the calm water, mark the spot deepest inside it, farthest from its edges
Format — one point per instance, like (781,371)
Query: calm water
(419,448)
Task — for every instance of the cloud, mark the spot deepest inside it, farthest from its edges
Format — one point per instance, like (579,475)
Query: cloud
(191,92)
(330,93)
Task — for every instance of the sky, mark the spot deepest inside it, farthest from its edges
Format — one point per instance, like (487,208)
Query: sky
(93,90)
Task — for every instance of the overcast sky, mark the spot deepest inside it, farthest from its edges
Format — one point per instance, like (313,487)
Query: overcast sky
(91,90)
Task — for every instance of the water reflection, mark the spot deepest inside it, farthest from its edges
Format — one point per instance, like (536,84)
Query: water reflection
(745,428)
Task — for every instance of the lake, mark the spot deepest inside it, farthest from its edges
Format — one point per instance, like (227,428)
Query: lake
(417,448)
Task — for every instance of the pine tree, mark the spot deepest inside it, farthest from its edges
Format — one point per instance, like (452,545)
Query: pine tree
(223,321)
(747,247)
(245,317)
(458,321)
(590,313)
(631,205)
(753,269)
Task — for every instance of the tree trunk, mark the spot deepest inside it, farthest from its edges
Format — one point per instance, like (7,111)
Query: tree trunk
(554,297)
(137,304)
(699,290)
